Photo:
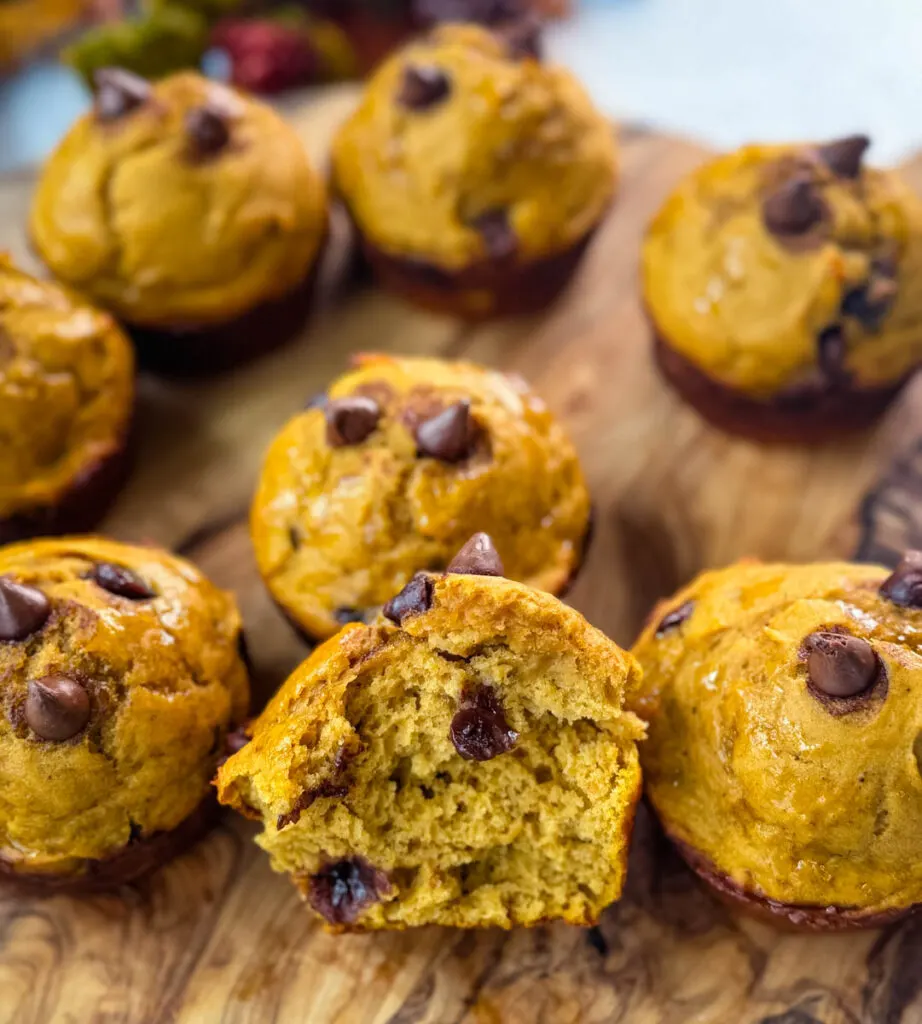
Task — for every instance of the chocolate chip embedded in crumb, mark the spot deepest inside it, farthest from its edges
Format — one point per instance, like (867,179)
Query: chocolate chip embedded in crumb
(675,618)
(208,130)
(794,208)
(870,303)
(121,581)
(478,557)
(423,86)
(118,92)
(351,420)
(340,891)
(479,730)
(840,665)
(57,707)
(904,585)
(843,156)
(416,597)
(831,350)
(449,435)
(23,610)
(497,234)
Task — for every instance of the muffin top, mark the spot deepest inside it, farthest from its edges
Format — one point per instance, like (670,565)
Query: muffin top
(785,712)
(181,203)
(66,390)
(395,469)
(120,676)
(779,267)
(465,149)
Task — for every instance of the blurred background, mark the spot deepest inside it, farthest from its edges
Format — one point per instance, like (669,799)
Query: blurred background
(724,71)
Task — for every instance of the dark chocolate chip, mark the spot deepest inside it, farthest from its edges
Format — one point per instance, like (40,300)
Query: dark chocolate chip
(57,707)
(208,130)
(840,665)
(135,833)
(794,208)
(870,303)
(449,435)
(121,581)
(346,615)
(23,610)
(350,420)
(830,354)
(904,585)
(478,557)
(479,730)
(843,156)
(340,891)
(675,618)
(118,92)
(423,86)
(415,597)
(497,234)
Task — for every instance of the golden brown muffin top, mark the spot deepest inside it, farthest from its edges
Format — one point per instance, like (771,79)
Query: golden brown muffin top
(462,150)
(434,451)
(66,390)
(179,203)
(120,677)
(785,713)
(775,267)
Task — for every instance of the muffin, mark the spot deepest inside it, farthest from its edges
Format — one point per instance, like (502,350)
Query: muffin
(121,676)
(188,210)
(475,174)
(781,283)
(394,469)
(464,761)
(66,400)
(785,712)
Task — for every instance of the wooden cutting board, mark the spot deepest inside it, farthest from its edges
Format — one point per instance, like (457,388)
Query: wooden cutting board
(217,937)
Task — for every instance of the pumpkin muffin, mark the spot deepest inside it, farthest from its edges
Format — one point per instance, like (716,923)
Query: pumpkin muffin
(392,470)
(121,676)
(785,751)
(66,400)
(475,174)
(191,212)
(782,282)
(464,761)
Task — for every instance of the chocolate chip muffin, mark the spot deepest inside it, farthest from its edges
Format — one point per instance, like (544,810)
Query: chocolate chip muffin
(465,761)
(392,470)
(785,749)
(121,676)
(781,282)
(191,212)
(66,400)
(475,174)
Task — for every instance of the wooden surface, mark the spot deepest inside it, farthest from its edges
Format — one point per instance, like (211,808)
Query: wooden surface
(217,937)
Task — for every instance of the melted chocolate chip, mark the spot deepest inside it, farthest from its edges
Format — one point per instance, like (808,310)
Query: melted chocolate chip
(675,618)
(843,156)
(497,234)
(346,615)
(479,730)
(118,92)
(830,354)
(449,435)
(870,303)
(57,707)
(478,557)
(340,891)
(415,597)
(23,610)
(904,585)
(794,208)
(351,420)
(208,130)
(121,581)
(840,665)
(423,86)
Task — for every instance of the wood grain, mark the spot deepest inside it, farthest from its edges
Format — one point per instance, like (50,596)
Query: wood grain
(217,937)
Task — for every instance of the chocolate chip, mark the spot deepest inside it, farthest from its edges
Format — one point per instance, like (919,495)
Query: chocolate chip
(843,156)
(346,615)
(23,610)
(423,86)
(904,585)
(675,618)
(340,891)
(794,208)
(415,597)
(840,665)
(208,130)
(830,354)
(294,537)
(870,303)
(350,420)
(478,557)
(121,581)
(497,234)
(118,92)
(449,435)
(57,707)
(479,730)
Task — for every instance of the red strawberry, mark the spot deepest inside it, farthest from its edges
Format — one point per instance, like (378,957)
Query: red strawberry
(266,56)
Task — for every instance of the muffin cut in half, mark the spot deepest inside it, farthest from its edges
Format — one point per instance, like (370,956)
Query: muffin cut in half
(464,761)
